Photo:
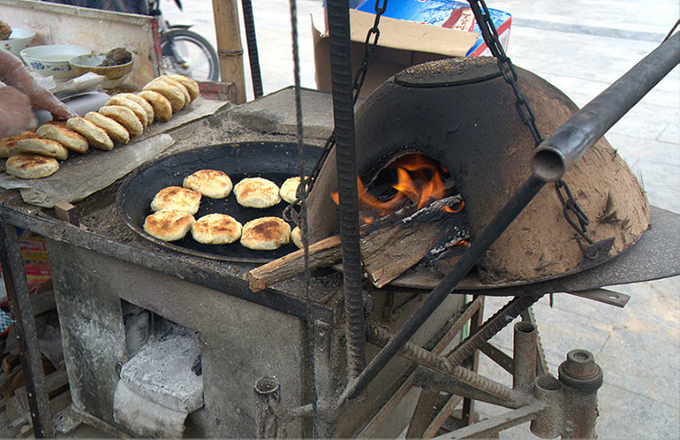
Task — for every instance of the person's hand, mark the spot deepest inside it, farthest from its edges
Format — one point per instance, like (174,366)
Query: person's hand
(14,73)
(16,112)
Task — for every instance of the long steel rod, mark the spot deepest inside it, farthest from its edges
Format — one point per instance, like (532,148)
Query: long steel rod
(560,151)
(343,111)
(251,42)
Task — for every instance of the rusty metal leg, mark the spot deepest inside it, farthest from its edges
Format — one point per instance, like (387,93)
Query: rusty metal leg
(22,313)
(581,378)
(468,413)
(267,400)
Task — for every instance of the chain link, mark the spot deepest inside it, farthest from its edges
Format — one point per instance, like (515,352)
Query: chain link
(526,113)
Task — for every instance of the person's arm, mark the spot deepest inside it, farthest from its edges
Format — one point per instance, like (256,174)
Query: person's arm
(14,73)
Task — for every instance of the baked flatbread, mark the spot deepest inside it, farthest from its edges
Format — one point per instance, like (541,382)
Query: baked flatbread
(162,109)
(210,183)
(179,85)
(296,237)
(31,166)
(57,131)
(132,105)
(168,224)
(116,131)
(173,93)
(96,136)
(216,229)
(142,103)
(190,84)
(265,233)
(9,144)
(257,192)
(177,198)
(125,117)
(44,147)
(289,189)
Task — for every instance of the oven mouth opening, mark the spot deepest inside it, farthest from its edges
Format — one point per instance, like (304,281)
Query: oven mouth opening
(414,192)
(408,183)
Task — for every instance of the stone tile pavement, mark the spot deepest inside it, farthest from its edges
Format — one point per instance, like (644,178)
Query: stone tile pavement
(581,47)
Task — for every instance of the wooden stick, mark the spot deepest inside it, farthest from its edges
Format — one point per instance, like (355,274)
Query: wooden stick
(321,254)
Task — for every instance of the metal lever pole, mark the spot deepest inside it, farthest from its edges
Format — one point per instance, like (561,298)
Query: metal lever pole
(560,151)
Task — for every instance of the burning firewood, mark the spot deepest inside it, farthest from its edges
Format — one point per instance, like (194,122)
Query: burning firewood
(386,252)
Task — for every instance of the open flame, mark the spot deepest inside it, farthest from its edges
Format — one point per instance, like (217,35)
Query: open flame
(418,180)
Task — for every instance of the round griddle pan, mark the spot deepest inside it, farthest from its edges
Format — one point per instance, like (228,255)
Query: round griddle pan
(271,160)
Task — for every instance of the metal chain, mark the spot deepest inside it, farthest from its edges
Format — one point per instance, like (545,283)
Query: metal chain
(526,114)
(370,43)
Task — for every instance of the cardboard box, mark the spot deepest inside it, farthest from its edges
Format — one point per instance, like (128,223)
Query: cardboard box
(411,32)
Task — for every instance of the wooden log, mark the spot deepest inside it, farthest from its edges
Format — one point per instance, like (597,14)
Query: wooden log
(386,253)
(389,252)
(321,254)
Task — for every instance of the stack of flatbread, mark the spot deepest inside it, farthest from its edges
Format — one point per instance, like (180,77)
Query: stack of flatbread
(36,154)
(174,207)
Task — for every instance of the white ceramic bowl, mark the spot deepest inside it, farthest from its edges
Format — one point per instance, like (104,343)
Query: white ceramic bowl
(53,59)
(18,40)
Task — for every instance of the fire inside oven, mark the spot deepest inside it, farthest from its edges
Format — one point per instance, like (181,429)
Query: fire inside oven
(414,189)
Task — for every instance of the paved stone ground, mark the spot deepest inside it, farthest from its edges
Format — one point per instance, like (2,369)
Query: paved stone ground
(581,47)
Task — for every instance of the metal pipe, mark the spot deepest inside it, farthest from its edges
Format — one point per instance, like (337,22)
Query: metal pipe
(346,162)
(267,399)
(478,247)
(581,378)
(547,424)
(562,149)
(524,353)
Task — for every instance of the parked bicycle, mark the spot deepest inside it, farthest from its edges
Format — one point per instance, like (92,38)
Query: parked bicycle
(184,51)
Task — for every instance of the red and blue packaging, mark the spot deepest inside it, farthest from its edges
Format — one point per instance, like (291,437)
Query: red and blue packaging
(447,14)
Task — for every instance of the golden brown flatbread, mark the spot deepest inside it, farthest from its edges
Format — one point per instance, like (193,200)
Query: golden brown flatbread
(296,237)
(125,117)
(142,103)
(210,183)
(289,189)
(116,131)
(132,105)
(190,84)
(179,85)
(31,166)
(168,224)
(9,144)
(257,192)
(265,233)
(162,108)
(96,136)
(216,229)
(177,198)
(57,131)
(43,147)
(173,93)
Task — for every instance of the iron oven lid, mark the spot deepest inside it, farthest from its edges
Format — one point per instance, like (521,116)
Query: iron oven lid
(271,160)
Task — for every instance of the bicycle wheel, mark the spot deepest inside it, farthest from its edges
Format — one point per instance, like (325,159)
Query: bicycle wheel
(193,55)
